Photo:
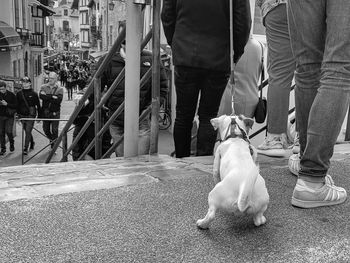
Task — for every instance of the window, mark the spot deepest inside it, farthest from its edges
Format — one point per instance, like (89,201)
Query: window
(37,26)
(84,18)
(65,26)
(65,12)
(16,13)
(14,68)
(34,11)
(39,65)
(26,64)
(85,36)
(83,2)
(19,67)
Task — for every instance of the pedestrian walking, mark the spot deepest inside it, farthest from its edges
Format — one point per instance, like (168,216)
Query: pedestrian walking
(8,105)
(321,45)
(198,32)
(28,107)
(51,95)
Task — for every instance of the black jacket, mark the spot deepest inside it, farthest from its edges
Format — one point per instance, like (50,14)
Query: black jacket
(11,100)
(32,99)
(198,31)
(118,96)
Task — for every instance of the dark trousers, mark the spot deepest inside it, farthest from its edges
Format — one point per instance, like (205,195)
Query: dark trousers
(190,82)
(6,126)
(28,127)
(50,128)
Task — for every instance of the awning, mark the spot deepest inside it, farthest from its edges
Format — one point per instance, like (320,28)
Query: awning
(49,11)
(97,55)
(8,37)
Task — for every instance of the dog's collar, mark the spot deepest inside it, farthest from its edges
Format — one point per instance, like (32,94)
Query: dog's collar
(243,135)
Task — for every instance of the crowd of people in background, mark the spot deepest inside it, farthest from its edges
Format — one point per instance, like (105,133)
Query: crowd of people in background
(66,71)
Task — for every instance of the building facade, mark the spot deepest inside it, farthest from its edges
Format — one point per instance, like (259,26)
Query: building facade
(65,27)
(24,30)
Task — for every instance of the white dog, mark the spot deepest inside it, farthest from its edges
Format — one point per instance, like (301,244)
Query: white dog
(239,186)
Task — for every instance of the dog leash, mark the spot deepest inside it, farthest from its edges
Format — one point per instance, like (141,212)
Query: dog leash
(231,82)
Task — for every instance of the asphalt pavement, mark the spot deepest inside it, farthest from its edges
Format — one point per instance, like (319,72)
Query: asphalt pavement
(144,210)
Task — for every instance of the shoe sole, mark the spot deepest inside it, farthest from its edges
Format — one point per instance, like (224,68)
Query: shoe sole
(273,152)
(313,204)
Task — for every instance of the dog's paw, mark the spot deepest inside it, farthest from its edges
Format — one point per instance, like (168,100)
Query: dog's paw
(201,224)
(259,220)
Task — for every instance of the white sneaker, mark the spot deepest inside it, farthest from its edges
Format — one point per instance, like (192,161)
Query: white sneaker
(273,146)
(327,195)
(296,145)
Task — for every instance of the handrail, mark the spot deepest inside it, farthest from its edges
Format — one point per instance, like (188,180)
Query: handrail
(144,79)
(89,90)
(106,96)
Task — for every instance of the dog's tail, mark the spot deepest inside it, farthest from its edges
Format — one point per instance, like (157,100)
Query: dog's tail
(246,189)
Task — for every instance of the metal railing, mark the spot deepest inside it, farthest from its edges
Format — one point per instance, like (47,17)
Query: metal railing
(64,138)
(95,86)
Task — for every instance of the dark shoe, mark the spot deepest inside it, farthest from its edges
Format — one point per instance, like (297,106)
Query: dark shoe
(31,147)
(3,151)
(12,147)
(25,151)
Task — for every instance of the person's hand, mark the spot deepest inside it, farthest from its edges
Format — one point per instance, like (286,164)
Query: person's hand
(4,103)
(43,92)
(54,97)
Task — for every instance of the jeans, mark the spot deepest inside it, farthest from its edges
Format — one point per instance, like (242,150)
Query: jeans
(189,83)
(6,126)
(28,127)
(320,38)
(280,67)
(50,128)
(144,137)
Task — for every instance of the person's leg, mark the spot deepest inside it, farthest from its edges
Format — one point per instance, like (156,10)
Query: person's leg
(144,137)
(76,151)
(9,132)
(188,82)
(54,127)
(280,67)
(213,86)
(47,129)
(116,134)
(2,135)
(27,126)
(322,92)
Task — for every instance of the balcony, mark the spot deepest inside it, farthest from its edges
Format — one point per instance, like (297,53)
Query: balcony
(37,39)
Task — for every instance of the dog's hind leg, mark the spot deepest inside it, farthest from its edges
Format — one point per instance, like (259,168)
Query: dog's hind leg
(259,218)
(216,166)
(205,222)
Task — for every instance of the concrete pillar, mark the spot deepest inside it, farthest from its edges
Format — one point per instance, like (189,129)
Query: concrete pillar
(132,78)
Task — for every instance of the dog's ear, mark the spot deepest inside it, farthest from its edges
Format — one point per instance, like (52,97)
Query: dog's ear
(215,123)
(248,122)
